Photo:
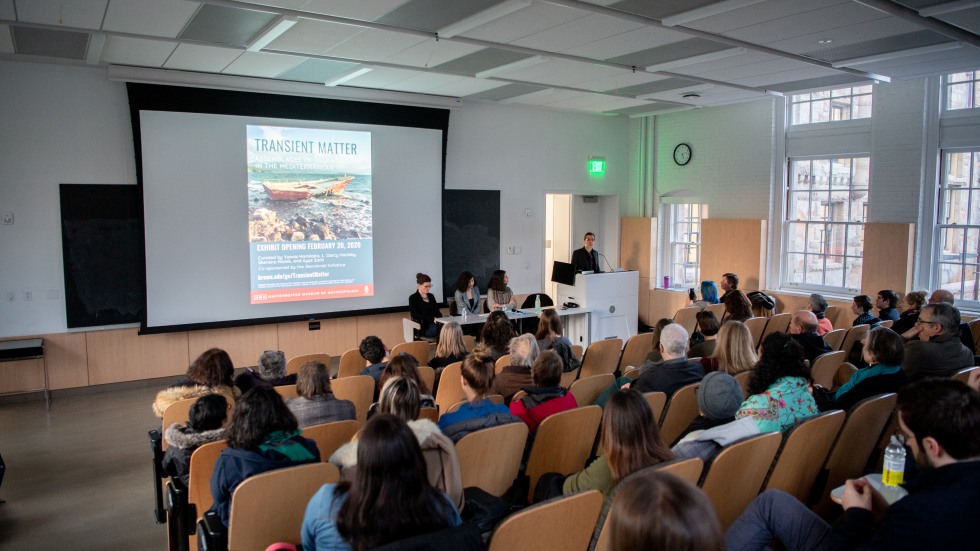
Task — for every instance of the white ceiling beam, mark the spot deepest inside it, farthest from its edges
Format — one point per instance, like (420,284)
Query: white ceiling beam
(887,56)
(482,18)
(693,60)
(347,76)
(912,16)
(96,44)
(948,7)
(709,10)
(513,66)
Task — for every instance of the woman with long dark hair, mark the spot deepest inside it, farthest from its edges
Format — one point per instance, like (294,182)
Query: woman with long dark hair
(496,335)
(211,373)
(779,386)
(499,295)
(263,435)
(738,307)
(389,499)
(630,442)
(467,294)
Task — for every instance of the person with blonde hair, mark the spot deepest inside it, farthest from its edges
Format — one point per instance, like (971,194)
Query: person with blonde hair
(517,375)
(734,351)
(915,300)
(451,348)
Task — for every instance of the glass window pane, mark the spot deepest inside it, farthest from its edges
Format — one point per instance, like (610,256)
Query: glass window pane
(816,235)
(861,174)
(795,267)
(852,277)
(951,278)
(951,243)
(802,176)
(861,107)
(866,89)
(823,94)
(956,205)
(960,77)
(801,113)
(820,174)
(814,269)
(974,210)
(820,111)
(970,274)
(859,205)
(855,241)
(799,204)
(796,240)
(958,96)
(834,273)
(819,207)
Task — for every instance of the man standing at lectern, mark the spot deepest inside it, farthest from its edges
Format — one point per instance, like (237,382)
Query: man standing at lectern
(586,259)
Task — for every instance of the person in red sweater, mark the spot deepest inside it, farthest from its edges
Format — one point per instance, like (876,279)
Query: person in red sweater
(546,397)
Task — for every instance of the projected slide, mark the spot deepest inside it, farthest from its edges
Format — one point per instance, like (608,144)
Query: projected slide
(309,214)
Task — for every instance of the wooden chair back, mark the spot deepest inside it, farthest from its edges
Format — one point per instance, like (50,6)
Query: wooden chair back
(563,443)
(962,375)
(687,318)
(825,367)
(743,381)
(656,401)
(587,389)
(432,414)
(501,363)
(805,446)
(777,324)
(717,309)
(756,327)
(688,470)
(269,507)
(975,331)
(680,411)
(199,477)
(293,365)
(636,350)
(417,349)
(835,338)
(351,363)
(178,412)
(857,438)
(734,477)
(286,391)
(844,374)
(450,387)
(601,357)
(578,351)
(568,378)
(633,374)
(564,523)
(428,375)
(470,342)
(491,458)
(854,335)
(358,389)
(832,313)
(329,437)
(886,323)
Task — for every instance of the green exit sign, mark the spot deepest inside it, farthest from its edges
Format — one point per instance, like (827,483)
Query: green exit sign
(597,165)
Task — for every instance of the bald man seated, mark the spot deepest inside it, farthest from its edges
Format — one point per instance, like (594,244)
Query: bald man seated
(803,329)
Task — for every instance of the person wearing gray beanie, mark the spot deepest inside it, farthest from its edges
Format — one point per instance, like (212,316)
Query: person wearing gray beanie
(719,397)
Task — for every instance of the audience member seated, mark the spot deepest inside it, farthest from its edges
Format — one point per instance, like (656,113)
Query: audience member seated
(375,354)
(405,365)
(707,328)
(719,398)
(887,304)
(517,375)
(263,436)
(861,307)
(883,351)
(803,328)
(499,295)
(451,348)
(389,499)
(546,397)
(423,308)
(467,294)
(729,283)
(496,335)
(272,372)
(966,335)
(738,307)
(914,301)
(629,442)
(316,403)
(941,423)
(400,397)
(818,305)
(550,337)
(779,386)
(478,412)
(211,373)
(204,425)
(657,510)
(938,351)
(709,295)
(654,354)
(675,370)
(734,351)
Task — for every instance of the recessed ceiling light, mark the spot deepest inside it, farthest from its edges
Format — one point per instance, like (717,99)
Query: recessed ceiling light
(825,41)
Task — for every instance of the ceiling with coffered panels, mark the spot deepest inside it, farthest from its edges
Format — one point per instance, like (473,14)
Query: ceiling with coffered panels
(617,57)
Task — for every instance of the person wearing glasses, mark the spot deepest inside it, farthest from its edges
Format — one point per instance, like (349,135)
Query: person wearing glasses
(422,307)
(938,351)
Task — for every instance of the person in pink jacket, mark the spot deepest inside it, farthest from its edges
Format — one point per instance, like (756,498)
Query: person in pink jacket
(546,397)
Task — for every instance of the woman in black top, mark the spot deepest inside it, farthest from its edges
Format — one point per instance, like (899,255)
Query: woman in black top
(423,308)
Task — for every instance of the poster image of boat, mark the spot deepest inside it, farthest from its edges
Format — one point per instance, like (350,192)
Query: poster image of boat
(309,213)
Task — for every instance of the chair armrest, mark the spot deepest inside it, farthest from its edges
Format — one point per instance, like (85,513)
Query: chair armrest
(212,535)
(180,519)
(156,446)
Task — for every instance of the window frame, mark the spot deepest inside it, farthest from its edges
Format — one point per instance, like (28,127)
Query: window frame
(945,87)
(942,200)
(792,103)
(673,217)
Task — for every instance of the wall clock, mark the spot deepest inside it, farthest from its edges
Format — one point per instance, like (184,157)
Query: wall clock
(682,154)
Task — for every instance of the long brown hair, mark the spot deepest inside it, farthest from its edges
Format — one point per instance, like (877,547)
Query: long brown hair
(258,413)
(549,326)
(212,368)
(630,437)
(403,365)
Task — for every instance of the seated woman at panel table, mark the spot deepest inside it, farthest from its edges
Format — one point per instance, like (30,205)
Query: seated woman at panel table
(467,294)
(389,499)
(496,335)
(451,348)
(477,413)
(423,308)
(499,295)
(517,375)
(211,373)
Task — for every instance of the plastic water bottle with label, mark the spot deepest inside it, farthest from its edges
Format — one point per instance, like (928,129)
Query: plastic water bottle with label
(463,308)
(537,304)
(894,471)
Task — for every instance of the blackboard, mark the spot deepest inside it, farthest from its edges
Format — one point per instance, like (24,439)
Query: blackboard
(102,250)
(470,236)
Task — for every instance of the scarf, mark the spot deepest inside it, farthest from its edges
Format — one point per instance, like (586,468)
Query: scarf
(866,373)
(282,442)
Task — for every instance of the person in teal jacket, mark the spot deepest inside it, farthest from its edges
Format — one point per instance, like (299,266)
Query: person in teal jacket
(779,388)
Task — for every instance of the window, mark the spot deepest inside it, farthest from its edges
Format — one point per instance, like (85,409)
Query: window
(684,251)
(841,104)
(962,91)
(827,206)
(959,225)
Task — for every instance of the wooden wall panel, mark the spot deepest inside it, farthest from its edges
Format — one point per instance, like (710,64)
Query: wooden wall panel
(737,246)
(67,356)
(643,300)
(636,245)
(664,303)
(387,327)
(119,355)
(335,337)
(22,375)
(243,344)
(888,250)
